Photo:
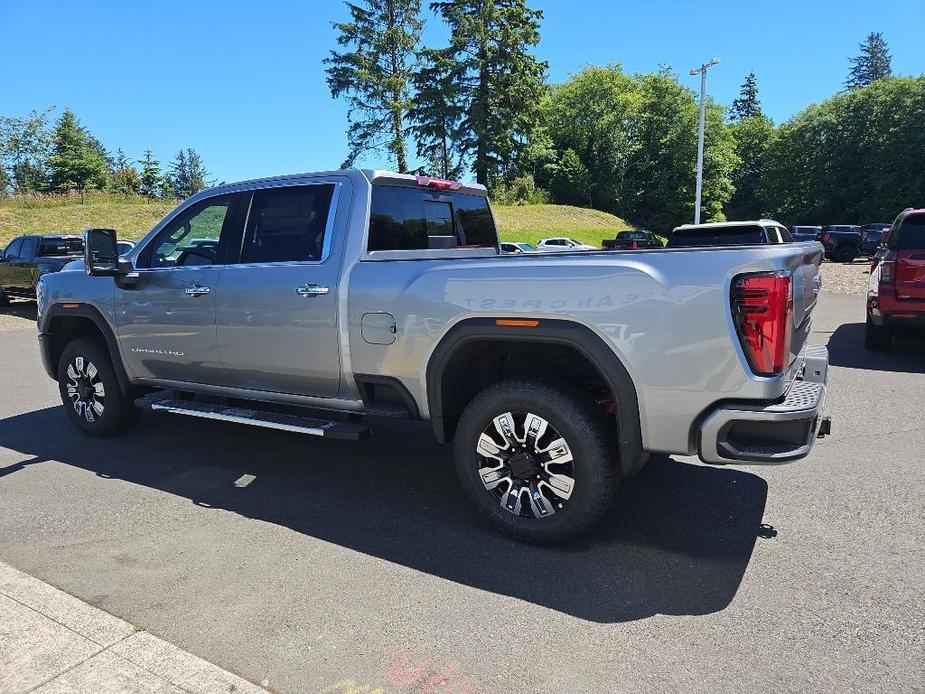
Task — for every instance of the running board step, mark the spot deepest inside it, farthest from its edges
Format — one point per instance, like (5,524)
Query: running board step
(349,431)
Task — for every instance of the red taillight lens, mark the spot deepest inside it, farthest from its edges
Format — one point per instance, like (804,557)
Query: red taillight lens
(886,271)
(635,246)
(762,306)
(825,237)
(438,183)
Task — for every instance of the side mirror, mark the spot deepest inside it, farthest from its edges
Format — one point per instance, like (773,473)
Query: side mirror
(101,254)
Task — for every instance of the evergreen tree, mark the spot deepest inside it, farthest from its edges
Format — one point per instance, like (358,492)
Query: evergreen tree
(498,81)
(747,105)
(437,114)
(150,177)
(196,171)
(178,176)
(872,63)
(374,74)
(76,161)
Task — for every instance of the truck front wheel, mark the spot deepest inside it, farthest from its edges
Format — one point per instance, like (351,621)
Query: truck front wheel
(537,459)
(90,390)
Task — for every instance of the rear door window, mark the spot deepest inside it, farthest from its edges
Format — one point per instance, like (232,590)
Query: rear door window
(287,224)
(413,219)
(910,236)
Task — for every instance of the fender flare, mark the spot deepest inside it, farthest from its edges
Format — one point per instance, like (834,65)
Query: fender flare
(563,332)
(87,312)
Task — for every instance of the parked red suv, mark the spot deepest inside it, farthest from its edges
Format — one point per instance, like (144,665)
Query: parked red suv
(896,294)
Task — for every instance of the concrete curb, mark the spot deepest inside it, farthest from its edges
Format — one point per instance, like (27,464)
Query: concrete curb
(53,643)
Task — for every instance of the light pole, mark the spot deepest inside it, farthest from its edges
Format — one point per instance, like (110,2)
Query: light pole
(703,107)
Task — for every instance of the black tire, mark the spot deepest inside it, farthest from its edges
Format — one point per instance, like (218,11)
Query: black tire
(845,254)
(90,390)
(570,415)
(4,300)
(877,338)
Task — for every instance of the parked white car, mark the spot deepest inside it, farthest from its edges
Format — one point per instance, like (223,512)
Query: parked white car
(562,243)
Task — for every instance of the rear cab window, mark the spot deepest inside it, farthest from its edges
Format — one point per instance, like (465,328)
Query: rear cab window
(909,235)
(404,218)
(49,247)
(738,235)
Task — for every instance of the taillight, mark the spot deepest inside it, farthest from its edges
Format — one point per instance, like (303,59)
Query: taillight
(635,246)
(886,271)
(825,237)
(762,307)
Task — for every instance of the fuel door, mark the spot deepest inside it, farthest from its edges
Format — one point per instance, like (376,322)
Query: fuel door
(378,328)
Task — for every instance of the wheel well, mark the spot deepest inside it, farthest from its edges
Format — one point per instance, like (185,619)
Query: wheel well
(476,354)
(64,329)
(478,363)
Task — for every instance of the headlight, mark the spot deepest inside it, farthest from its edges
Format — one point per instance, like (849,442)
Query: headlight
(41,297)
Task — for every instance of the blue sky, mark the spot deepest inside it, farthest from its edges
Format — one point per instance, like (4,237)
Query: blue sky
(243,82)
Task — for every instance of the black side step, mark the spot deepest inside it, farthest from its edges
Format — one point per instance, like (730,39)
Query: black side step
(168,402)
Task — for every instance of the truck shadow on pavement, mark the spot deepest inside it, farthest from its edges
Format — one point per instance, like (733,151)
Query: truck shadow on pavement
(846,348)
(678,542)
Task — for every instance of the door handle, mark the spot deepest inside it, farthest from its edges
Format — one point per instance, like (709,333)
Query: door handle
(197,290)
(311,290)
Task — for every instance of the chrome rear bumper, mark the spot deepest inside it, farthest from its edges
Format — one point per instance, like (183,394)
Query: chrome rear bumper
(778,432)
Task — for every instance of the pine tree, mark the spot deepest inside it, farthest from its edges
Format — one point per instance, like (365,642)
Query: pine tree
(748,104)
(498,81)
(437,114)
(24,148)
(872,63)
(374,74)
(196,172)
(178,176)
(150,178)
(76,160)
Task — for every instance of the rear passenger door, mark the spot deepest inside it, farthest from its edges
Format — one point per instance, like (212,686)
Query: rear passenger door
(276,304)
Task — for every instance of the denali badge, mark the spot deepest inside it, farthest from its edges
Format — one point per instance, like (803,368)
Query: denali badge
(165,352)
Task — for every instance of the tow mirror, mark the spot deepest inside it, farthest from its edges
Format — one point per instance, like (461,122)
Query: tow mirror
(101,254)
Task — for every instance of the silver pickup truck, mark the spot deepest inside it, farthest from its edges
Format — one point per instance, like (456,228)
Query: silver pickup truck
(307,303)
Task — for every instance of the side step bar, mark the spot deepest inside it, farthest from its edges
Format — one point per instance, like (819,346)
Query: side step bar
(168,402)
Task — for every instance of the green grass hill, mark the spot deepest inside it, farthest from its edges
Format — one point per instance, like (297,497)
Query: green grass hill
(134,215)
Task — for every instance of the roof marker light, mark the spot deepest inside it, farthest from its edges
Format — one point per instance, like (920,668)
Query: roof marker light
(437,183)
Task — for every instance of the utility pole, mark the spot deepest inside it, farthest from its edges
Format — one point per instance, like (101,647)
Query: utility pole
(703,109)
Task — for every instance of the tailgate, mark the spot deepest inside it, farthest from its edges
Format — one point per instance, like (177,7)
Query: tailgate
(910,275)
(807,281)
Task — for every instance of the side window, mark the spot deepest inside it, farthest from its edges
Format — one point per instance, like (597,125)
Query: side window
(12,251)
(287,224)
(193,238)
(404,218)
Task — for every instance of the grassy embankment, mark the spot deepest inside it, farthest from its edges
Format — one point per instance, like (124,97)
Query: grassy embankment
(133,216)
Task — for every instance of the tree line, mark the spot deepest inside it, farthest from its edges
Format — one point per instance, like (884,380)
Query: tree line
(40,157)
(613,141)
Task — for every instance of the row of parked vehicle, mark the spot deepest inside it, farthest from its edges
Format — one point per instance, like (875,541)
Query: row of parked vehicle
(842,242)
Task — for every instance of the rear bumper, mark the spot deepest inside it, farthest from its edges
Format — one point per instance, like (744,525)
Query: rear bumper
(778,432)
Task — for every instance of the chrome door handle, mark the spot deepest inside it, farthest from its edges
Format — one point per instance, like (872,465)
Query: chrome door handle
(311,290)
(197,290)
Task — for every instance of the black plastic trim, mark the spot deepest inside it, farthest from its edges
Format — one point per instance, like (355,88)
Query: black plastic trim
(86,311)
(392,382)
(562,332)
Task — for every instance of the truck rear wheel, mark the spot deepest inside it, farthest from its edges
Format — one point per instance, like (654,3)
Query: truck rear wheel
(537,459)
(90,390)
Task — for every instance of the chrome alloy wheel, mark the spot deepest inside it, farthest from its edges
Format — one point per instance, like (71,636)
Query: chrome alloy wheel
(85,389)
(526,464)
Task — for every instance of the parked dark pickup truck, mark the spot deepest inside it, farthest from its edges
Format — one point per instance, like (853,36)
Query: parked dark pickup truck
(842,242)
(27,258)
(632,240)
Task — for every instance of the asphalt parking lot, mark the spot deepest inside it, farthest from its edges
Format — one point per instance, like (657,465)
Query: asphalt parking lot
(349,565)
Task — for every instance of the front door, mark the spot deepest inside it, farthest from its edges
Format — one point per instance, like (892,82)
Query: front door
(276,309)
(167,322)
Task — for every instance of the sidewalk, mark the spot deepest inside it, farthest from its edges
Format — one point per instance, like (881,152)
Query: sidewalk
(51,642)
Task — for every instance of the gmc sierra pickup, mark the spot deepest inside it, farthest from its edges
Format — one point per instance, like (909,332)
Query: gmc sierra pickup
(305,303)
